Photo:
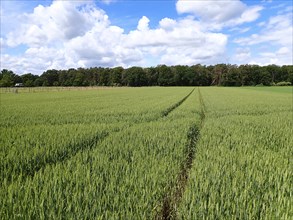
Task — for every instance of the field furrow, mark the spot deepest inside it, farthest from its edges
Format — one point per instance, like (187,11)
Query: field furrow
(173,197)
(176,105)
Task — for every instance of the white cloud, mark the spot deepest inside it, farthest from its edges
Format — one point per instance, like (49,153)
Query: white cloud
(70,35)
(283,51)
(281,56)
(178,42)
(277,31)
(240,30)
(261,24)
(107,2)
(286,10)
(3,43)
(167,23)
(219,14)
(35,60)
(10,13)
(242,55)
(55,23)
(101,47)
(143,24)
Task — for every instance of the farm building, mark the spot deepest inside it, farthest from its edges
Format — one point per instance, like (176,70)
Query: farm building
(18,85)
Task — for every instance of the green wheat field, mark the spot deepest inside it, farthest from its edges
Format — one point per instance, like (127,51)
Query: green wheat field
(147,153)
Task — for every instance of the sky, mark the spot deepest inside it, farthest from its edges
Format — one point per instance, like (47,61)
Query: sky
(41,35)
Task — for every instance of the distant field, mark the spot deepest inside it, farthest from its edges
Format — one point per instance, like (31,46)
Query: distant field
(146,153)
(52,89)
(281,89)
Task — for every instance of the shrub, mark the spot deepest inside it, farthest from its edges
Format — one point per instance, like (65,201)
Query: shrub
(283,84)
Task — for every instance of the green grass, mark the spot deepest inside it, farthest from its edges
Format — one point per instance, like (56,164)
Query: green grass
(118,153)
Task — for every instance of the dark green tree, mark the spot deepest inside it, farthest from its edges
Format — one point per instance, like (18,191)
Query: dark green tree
(29,79)
(49,77)
(231,77)
(6,78)
(166,75)
(134,76)
(152,76)
(115,77)
(218,71)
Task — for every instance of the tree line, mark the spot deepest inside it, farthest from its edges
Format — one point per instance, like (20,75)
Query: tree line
(161,75)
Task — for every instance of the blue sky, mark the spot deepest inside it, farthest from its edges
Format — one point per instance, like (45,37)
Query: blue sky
(41,35)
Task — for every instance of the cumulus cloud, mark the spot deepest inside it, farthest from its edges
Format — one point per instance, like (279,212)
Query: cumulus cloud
(167,23)
(219,14)
(179,42)
(280,56)
(62,20)
(34,60)
(242,55)
(143,24)
(274,40)
(276,31)
(75,34)
(219,11)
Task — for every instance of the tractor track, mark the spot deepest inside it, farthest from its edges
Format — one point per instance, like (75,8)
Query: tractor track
(172,200)
(176,105)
